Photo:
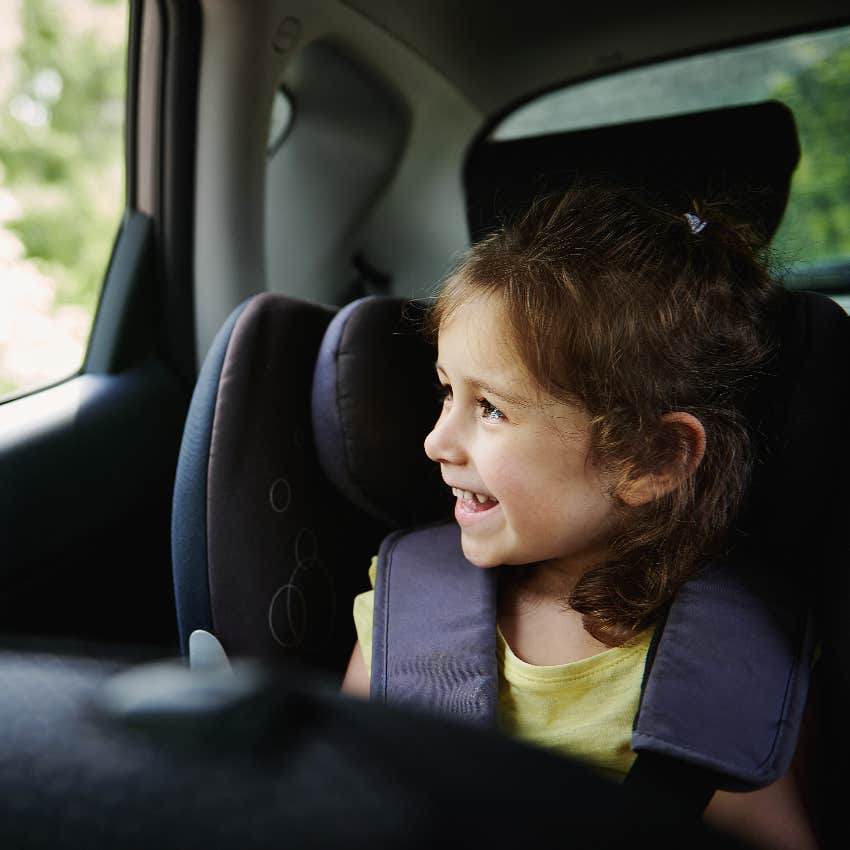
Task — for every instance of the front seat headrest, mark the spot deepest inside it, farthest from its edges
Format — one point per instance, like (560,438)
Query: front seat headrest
(743,154)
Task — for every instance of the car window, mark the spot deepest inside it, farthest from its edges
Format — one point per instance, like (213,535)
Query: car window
(809,73)
(62,83)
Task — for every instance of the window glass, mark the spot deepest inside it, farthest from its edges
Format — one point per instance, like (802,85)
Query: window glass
(62,83)
(810,74)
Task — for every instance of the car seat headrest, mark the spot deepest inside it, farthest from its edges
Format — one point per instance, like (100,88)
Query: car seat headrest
(744,154)
(372,408)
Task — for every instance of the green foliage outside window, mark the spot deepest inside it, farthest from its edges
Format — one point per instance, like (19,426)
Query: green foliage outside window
(816,227)
(61,149)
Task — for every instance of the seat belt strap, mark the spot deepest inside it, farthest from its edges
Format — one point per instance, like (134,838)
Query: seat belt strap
(434,635)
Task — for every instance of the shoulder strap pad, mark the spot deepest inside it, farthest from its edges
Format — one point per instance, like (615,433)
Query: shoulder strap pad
(728,683)
(434,636)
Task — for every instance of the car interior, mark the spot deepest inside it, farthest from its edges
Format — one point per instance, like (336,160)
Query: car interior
(245,427)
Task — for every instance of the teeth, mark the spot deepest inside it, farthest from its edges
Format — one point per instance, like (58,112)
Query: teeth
(468,495)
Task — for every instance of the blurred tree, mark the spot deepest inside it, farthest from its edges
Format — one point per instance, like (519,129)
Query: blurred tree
(817,223)
(61,143)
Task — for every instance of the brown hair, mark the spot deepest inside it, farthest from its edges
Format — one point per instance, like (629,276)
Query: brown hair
(622,305)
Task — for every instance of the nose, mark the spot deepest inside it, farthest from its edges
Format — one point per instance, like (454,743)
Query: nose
(443,444)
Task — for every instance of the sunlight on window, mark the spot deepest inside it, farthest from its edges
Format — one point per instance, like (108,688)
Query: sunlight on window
(62,81)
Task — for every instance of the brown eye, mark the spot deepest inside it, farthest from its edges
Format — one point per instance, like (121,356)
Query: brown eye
(489,412)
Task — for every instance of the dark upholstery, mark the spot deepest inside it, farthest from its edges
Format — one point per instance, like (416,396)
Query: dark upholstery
(746,153)
(160,759)
(374,401)
(799,414)
(189,517)
(278,552)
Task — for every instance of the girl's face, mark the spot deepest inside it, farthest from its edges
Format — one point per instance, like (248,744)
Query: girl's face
(517,460)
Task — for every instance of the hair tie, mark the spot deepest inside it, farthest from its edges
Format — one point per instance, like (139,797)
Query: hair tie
(696,224)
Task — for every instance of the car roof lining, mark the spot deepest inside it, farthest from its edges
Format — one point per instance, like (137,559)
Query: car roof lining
(496,58)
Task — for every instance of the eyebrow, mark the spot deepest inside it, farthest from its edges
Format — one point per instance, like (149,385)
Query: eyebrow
(520,401)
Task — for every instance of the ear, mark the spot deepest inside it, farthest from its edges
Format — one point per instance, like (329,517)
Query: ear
(684,434)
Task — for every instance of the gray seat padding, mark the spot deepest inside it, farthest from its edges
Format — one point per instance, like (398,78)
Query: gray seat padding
(265,551)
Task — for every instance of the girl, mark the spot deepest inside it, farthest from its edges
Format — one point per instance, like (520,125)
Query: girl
(594,357)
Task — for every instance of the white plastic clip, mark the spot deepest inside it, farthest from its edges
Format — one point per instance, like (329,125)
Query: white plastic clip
(206,653)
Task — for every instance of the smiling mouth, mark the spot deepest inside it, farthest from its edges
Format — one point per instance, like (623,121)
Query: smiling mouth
(474,502)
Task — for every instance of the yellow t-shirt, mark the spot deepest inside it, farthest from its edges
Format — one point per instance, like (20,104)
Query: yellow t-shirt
(584,709)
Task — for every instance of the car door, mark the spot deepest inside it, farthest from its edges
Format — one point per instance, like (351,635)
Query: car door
(87,463)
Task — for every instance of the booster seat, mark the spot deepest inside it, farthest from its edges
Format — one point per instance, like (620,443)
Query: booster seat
(278,509)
